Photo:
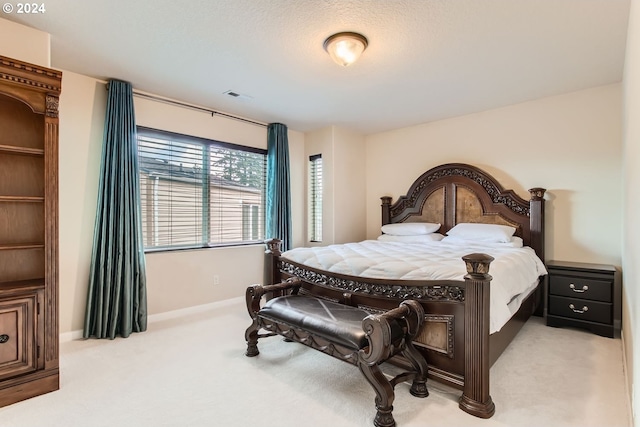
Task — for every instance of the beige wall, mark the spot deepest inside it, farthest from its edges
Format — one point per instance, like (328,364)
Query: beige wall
(321,142)
(349,207)
(24,43)
(631,163)
(343,186)
(569,144)
(82,111)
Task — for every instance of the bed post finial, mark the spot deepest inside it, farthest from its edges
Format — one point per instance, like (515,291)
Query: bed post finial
(478,266)
(274,247)
(272,255)
(537,193)
(386,209)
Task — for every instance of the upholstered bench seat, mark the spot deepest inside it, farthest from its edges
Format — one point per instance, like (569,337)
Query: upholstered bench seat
(338,323)
(345,332)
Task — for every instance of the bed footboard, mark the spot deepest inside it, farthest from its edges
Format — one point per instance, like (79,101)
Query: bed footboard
(464,305)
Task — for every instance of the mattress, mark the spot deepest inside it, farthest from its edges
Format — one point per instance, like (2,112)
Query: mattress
(515,271)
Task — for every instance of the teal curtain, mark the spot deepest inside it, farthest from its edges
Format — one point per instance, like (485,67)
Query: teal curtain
(117,299)
(278,185)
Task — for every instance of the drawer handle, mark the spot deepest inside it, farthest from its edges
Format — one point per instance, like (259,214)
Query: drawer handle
(573,307)
(4,338)
(584,288)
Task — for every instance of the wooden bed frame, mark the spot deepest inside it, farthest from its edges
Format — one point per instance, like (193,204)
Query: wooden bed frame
(454,338)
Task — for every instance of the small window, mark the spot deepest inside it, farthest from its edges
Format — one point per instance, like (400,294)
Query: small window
(250,222)
(315,198)
(197,192)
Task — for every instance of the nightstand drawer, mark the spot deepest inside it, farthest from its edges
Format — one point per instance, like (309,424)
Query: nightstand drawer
(581,287)
(582,309)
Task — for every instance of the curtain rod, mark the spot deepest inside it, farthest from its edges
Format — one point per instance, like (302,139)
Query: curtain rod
(195,107)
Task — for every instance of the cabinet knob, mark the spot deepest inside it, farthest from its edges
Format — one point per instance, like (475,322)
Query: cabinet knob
(4,338)
(575,310)
(584,288)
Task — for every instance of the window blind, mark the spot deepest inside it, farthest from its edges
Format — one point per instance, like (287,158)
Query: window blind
(315,198)
(197,192)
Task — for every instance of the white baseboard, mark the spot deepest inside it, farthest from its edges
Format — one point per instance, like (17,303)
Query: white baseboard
(628,367)
(71,336)
(77,335)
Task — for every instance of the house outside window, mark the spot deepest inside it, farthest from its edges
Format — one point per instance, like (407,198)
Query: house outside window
(250,221)
(197,192)
(315,198)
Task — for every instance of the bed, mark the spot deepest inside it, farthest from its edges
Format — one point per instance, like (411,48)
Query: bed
(458,338)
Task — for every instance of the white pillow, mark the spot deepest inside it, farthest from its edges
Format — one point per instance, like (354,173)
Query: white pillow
(410,228)
(483,232)
(515,242)
(420,238)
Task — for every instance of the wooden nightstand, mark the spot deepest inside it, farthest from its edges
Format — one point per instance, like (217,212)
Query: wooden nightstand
(585,296)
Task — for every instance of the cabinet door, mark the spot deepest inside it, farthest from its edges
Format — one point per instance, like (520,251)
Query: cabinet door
(18,345)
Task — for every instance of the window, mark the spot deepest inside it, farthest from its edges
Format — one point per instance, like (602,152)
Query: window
(199,193)
(315,198)
(250,222)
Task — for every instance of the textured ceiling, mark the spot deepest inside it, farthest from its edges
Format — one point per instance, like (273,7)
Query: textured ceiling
(426,60)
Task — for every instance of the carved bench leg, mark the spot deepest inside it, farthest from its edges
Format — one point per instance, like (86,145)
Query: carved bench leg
(419,385)
(384,394)
(251,335)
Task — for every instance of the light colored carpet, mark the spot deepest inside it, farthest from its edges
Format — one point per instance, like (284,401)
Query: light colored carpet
(191,371)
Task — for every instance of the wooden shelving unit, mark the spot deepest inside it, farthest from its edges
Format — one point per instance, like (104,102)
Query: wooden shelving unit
(29,96)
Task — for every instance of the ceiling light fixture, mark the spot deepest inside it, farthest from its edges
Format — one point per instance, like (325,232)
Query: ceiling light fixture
(345,48)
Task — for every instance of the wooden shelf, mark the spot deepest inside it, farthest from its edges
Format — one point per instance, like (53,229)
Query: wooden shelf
(22,285)
(22,199)
(12,149)
(18,246)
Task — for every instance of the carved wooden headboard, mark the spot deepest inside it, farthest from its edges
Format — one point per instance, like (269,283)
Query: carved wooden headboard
(455,192)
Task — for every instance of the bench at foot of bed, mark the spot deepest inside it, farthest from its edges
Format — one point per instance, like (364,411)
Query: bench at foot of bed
(344,332)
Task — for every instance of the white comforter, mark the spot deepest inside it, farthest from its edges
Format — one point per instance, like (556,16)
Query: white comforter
(514,271)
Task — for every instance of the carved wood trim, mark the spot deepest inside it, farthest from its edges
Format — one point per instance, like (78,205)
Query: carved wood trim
(526,215)
(422,339)
(24,73)
(497,194)
(435,292)
(52,104)
(51,303)
(36,86)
